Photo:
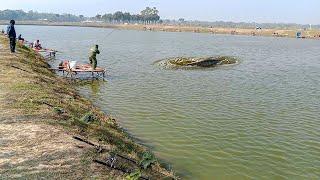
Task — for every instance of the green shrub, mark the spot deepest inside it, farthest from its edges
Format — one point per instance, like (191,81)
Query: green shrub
(89,118)
(147,159)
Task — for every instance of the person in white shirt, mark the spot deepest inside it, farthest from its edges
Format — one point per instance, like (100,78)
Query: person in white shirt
(37,45)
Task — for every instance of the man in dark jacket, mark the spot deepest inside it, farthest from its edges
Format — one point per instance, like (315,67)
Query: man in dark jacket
(11,32)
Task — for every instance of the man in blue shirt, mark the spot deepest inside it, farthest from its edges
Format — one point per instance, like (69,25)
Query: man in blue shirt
(11,32)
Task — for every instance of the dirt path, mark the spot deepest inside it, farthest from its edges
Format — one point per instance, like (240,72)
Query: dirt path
(29,147)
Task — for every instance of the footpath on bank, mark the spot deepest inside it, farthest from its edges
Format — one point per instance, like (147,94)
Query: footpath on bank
(48,130)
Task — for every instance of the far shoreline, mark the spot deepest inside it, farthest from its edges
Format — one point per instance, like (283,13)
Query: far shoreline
(288,33)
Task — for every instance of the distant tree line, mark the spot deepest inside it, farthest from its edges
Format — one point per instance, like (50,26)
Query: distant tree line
(33,15)
(147,16)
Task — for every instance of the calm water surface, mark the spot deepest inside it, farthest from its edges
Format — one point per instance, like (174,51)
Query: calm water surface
(259,119)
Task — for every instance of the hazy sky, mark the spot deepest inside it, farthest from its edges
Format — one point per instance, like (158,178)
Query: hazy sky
(296,11)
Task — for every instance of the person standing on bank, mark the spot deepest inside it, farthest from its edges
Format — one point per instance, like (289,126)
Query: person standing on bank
(93,56)
(11,32)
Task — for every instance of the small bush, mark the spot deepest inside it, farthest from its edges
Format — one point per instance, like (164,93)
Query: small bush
(89,118)
(58,110)
(147,160)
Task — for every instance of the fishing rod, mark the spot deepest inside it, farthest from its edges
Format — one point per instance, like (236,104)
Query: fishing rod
(109,34)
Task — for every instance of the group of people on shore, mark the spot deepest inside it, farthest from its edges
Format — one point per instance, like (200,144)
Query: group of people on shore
(11,33)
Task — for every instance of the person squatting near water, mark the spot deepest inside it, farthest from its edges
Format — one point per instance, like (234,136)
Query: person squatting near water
(11,33)
(20,38)
(36,45)
(93,56)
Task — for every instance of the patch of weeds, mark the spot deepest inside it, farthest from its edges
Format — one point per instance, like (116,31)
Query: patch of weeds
(87,157)
(116,139)
(130,147)
(89,118)
(28,105)
(124,166)
(134,175)
(80,124)
(24,86)
(111,123)
(147,160)
(23,47)
(58,110)
(104,135)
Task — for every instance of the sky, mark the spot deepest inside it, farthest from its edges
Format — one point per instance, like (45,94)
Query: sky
(261,11)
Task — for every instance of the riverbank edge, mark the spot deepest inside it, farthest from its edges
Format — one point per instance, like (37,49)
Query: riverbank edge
(289,33)
(56,100)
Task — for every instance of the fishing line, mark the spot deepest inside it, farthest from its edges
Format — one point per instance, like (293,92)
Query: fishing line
(110,33)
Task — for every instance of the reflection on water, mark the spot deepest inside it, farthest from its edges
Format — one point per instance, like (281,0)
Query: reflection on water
(92,86)
(258,119)
(95,87)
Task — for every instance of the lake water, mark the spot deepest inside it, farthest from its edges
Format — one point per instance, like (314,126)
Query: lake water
(259,119)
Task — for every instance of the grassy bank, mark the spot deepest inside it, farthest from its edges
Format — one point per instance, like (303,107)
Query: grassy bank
(309,34)
(49,130)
